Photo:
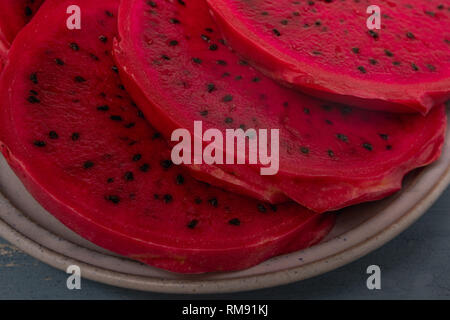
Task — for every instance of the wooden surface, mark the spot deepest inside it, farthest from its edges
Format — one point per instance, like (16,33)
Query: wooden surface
(415,265)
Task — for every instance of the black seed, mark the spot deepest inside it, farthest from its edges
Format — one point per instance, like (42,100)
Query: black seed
(167,198)
(103,39)
(318,23)
(75,136)
(205,37)
(145,167)
(179,179)
(306,111)
(264,13)
(79,79)
(326,107)
(213,202)
(355,50)
(137,157)
(262,208)
(440,7)
(227,98)
(373,61)
(276,32)
(368,146)
(256,79)
(116,118)
(388,147)
(166,164)
(113,199)
(204,113)
(235,222)
(28,11)
(174,21)
(243,62)
(103,108)
(130,125)
(152,4)
(88,164)
(110,180)
(211,87)
(209,30)
(33,78)
(165,57)
(197,60)
(228,120)
(396,63)
(238,78)
(33,100)
(34,92)
(362,69)
(346,110)
(198,200)
(284,22)
(109,13)
(213,47)
(330,153)
(59,62)
(129,176)
(431,67)
(304,150)
(414,67)
(39,143)
(384,136)
(115,69)
(156,135)
(388,53)
(181,2)
(74,46)
(342,137)
(222,62)
(410,35)
(192,224)
(94,57)
(373,34)
(53,135)
(173,43)
(329,122)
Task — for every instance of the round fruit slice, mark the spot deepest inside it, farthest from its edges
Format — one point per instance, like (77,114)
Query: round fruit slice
(325,48)
(82,148)
(176,66)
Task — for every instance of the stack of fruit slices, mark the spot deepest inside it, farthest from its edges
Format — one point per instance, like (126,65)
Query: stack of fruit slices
(87,116)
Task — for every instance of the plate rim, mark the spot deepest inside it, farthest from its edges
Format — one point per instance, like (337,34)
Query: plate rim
(238,284)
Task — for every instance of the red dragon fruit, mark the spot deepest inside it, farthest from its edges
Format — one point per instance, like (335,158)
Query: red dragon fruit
(14,15)
(325,48)
(83,149)
(177,67)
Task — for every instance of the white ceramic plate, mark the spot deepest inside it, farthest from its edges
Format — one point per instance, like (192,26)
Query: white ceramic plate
(358,231)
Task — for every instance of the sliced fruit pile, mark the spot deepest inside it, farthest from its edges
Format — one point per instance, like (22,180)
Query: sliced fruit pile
(87,115)
(324,48)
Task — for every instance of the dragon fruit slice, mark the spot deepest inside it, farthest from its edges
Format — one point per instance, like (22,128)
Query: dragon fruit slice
(14,15)
(326,49)
(176,66)
(82,148)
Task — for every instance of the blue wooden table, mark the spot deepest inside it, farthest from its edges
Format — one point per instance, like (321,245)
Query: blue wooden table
(415,265)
